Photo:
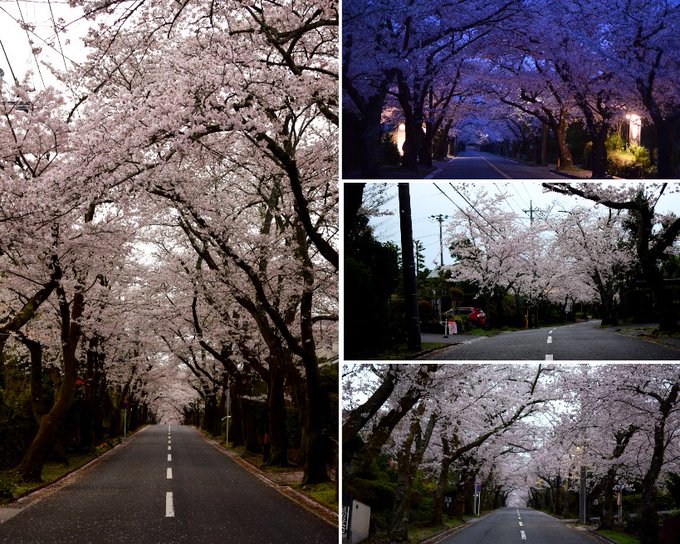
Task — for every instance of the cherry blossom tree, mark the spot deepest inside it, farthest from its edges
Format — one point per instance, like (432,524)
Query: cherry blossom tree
(651,243)
(595,246)
(237,157)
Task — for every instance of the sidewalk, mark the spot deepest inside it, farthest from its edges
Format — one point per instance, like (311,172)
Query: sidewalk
(453,339)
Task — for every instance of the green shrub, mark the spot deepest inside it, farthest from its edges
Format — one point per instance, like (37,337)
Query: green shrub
(634,162)
(462,321)
(614,142)
(641,155)
(7,487)
(587,152)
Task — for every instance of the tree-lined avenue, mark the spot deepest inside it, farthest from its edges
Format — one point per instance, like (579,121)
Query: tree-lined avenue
(125,498)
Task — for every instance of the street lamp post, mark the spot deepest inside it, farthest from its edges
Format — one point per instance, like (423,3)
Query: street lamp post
(239,368)
(582,495)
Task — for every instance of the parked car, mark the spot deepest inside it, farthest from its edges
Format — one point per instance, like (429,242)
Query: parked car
(476,316)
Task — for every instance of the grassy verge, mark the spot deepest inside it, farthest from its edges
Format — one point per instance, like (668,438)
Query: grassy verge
(400,352)
(325,493)
(418,534)
(12,488)
(617,536)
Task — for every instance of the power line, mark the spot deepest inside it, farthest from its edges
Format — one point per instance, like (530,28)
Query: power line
(56,33)
(30,43)
(476,210)
(507,197)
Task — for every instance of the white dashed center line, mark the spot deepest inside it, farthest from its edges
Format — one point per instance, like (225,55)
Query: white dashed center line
(169,457)
(549,339)
(169,506)
(523,535)
(169,474)
(548,357)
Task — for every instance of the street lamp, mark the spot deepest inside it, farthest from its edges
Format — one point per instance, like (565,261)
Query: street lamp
(239,367)
(634,128)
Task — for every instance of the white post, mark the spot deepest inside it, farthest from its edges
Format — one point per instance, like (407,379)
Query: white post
(226,439)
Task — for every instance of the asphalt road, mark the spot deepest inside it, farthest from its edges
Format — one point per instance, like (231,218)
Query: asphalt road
(166,486)
(519,526)
(576,342)
(479,165)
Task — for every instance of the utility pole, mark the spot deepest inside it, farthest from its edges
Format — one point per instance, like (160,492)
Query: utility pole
(440,219)
(409,269)
(531,211)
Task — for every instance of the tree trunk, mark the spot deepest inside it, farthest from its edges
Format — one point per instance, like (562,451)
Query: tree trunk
(649,515)
(607,304)
(412,143)
(276,416)
(665,139)
(34,459)
(607,516)
(408,466)
(598,156)
(371,135)
(37,398)
(544,145)
(566,160)
(314,445)
(442,481)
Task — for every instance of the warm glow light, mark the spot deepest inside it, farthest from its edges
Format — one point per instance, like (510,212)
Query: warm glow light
(634,128)
(401,137)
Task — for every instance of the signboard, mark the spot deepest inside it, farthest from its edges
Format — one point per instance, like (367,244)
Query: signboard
(452,327)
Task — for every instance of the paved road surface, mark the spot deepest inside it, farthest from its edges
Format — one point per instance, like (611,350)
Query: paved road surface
(479,165)
(519,526)
(166,486)
(576,342)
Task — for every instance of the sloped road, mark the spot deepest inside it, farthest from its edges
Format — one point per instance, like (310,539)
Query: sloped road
(166,486)
(519,526)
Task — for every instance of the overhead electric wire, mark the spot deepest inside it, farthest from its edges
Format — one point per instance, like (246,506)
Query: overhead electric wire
(56,33)
(507,197)
(43,40)
(476,210)
(30,43)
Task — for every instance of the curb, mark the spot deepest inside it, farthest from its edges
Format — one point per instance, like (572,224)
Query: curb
(600,538)
(648,338)
(319,510)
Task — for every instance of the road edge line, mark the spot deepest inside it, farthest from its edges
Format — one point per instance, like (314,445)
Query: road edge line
(319,510)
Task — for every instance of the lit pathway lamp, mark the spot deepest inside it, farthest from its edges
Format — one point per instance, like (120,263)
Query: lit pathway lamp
(634,128)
